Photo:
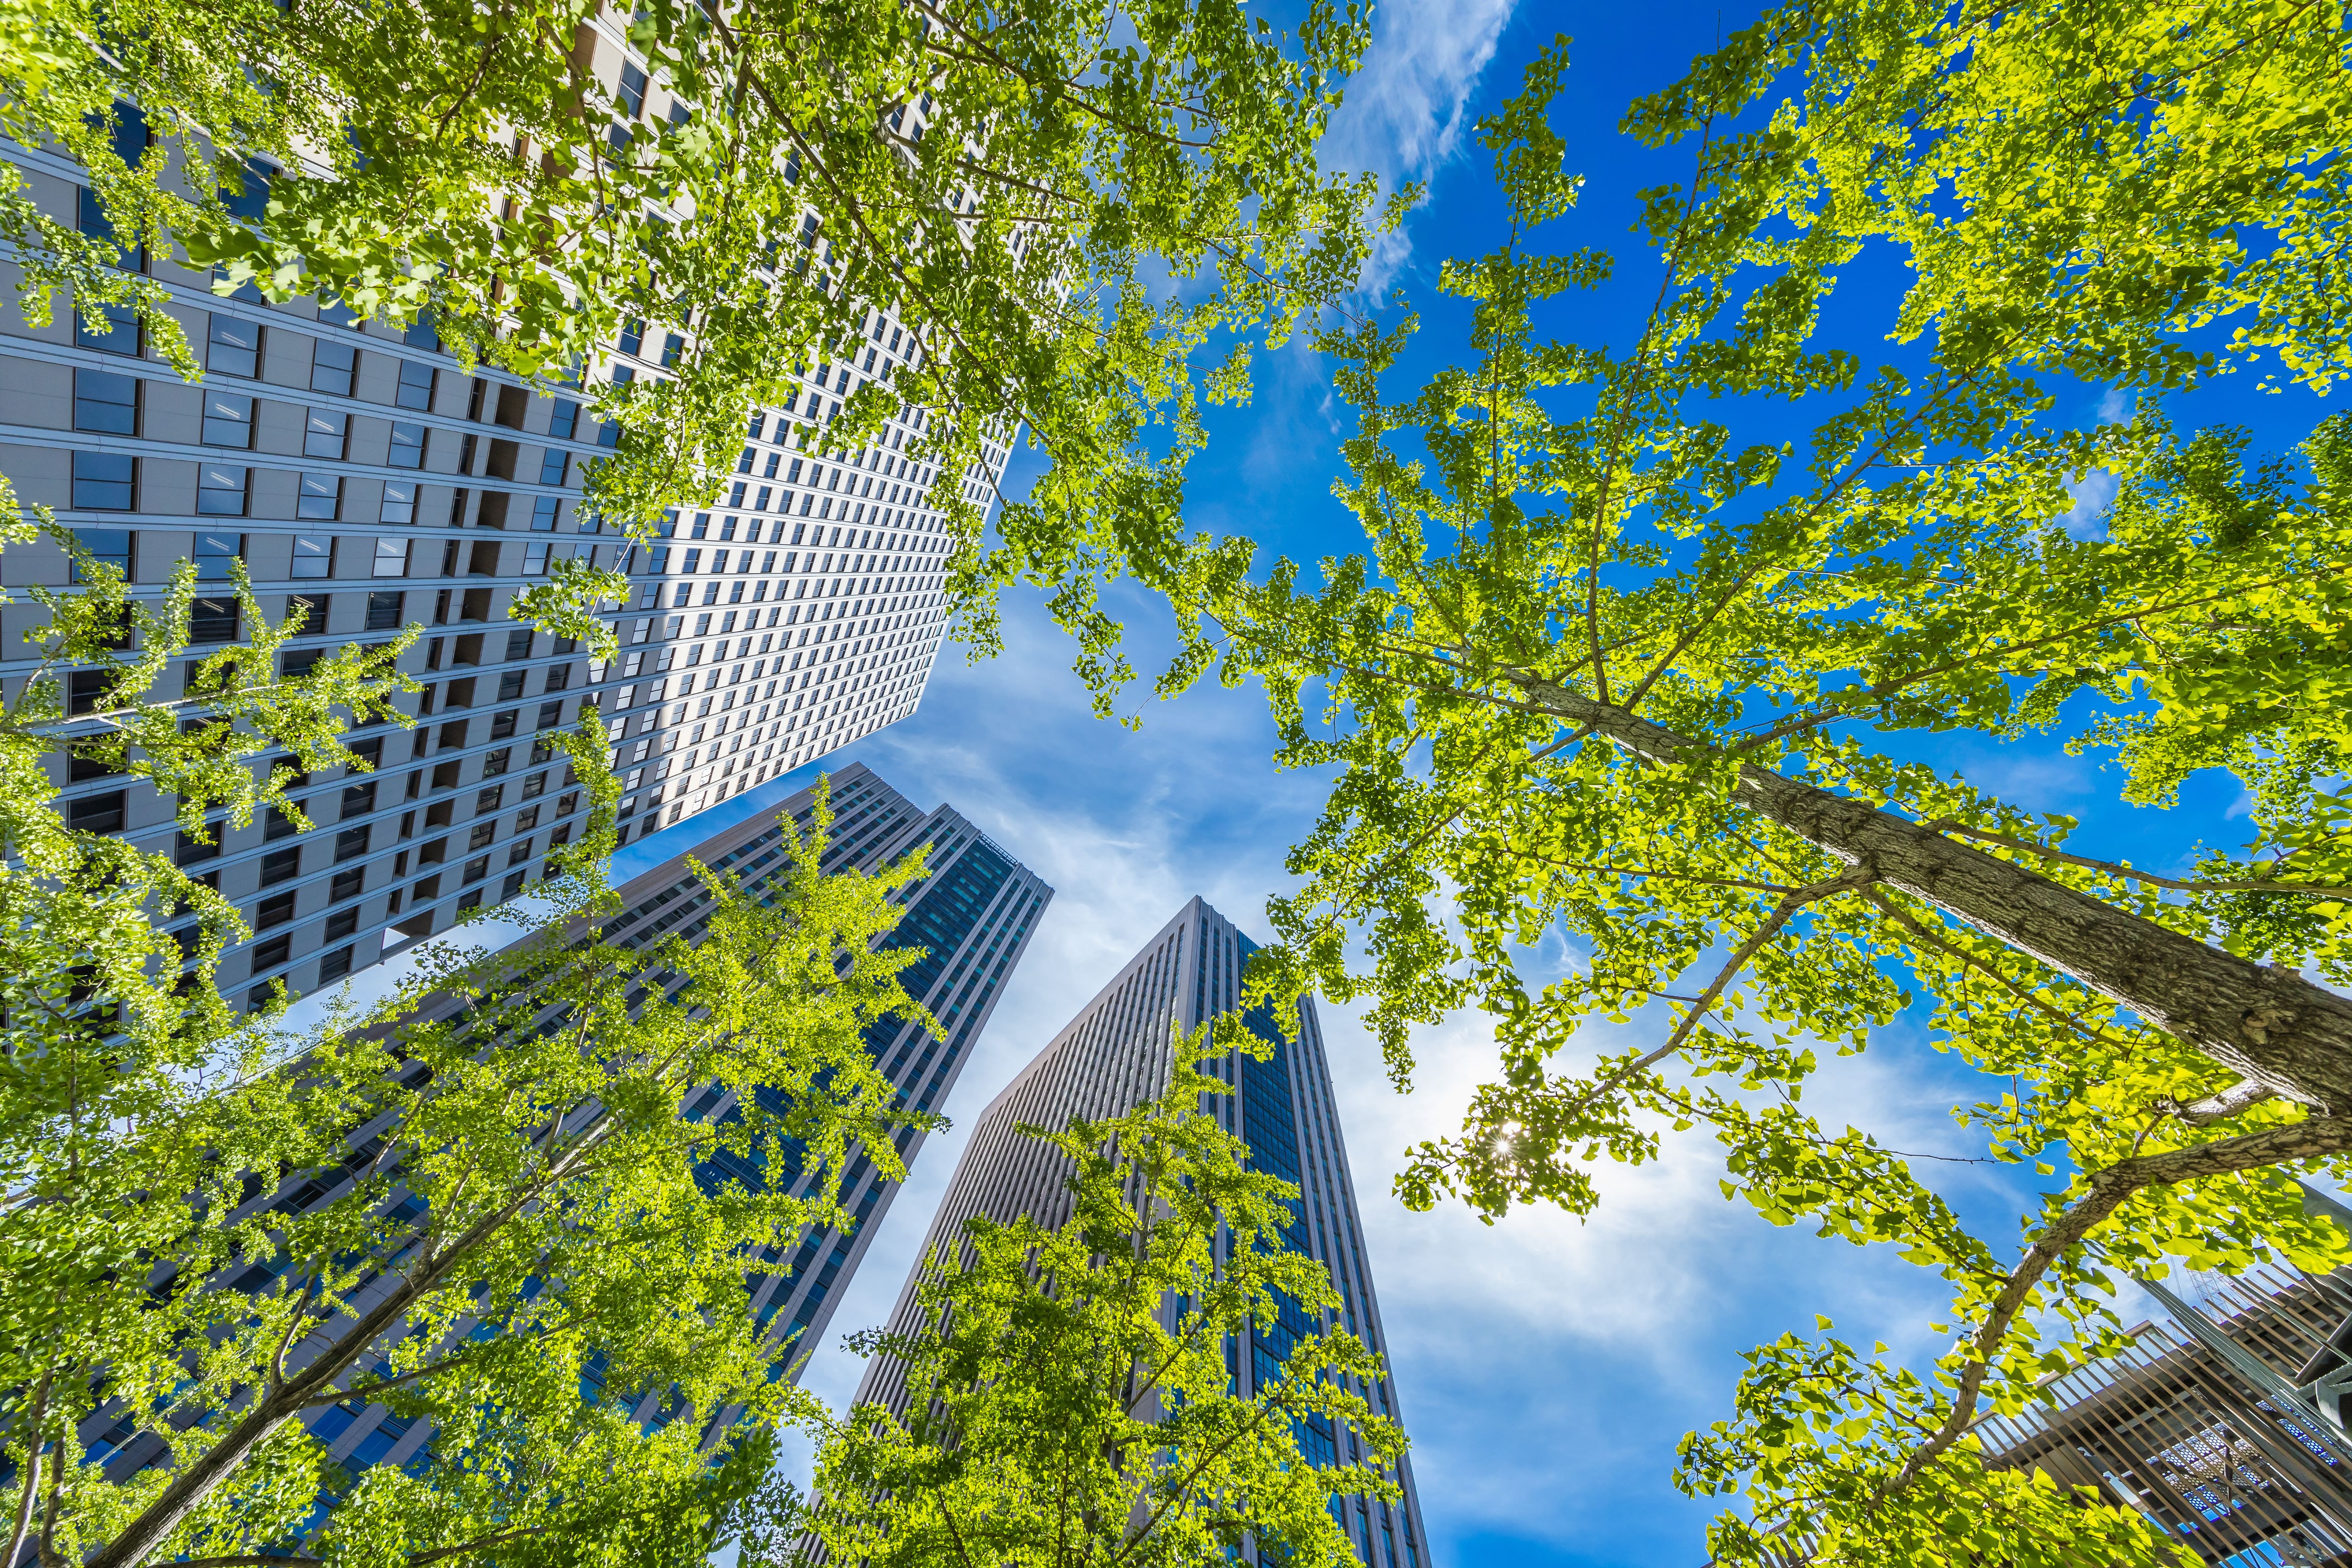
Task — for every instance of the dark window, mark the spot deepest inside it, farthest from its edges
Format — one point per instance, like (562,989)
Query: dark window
(270,953)
(341,924)
(416,389)
(568,804)
(534,786)
(331,366)
(274,910)
(551,466)
(422,334)
(359,799)
(108,329)
(383,612)
(557,677)
(519,644)
(551,714)
(348,884)
(520,851)
(489,800)
(277,825)
(295,663)
(334,965)
(472,901)
(565,420)
(220,492)
(106,402)
(281,865)
(408,447)
(326,434)
(84,688)
(81,767)
(105,547)
(510,688)
(187,851)
(212,620)
(560,837)
(503,725)
(90,216)
(479,838)
(476,868)
(513,884)
(234,349)
(248,198)
(673,347)
(96,813)
(633,95)
(632,337)
(370,750)
(351,842)
(105,481)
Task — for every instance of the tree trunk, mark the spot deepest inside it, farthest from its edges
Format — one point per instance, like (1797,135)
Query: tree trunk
(2265,1023)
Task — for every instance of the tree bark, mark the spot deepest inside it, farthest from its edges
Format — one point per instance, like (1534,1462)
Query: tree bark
(2267,1023)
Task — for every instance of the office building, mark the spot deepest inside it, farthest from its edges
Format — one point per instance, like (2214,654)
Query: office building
(1117,1055)
(975,911)
(352,471)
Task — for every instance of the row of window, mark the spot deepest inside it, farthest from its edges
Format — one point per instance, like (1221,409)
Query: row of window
(109,482)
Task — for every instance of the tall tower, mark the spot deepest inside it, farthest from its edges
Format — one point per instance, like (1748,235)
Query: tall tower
(354,470)
(1116,1055)
(975,911)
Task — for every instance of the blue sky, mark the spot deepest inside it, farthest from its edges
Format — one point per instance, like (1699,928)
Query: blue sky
(1546,1366)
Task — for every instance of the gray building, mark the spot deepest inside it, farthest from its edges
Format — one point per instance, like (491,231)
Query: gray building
(353,470)
(1117,1055)
(974,910)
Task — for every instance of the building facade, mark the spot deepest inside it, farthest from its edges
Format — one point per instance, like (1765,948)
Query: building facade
(1117,1054)
(356,473)
(975,911)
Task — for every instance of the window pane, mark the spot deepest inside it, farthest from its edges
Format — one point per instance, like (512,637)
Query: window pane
(390,560)
(416,389)
(543,513)
(565,419)
(552,465)
(331,364)
(321,501)
(323,434)
(234,348)
(216,551)
(407,446)
(314,553)
(104,482)
(106,402)
(107,546)
(229,420)
(108,329)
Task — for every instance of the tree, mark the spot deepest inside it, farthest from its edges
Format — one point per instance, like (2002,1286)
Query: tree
(501,1219)
(1607,668)
(1068,1398)
(1062,162)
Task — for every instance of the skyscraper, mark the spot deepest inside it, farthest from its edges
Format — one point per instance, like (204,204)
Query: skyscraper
(975,911)
(351,469)
(1116,1055)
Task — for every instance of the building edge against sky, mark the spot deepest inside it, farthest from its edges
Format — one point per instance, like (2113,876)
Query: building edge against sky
(354,470)
(976,911)
(1113,1056)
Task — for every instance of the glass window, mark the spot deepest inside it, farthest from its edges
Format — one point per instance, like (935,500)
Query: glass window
(632,337)
(321,499)
(543,513)
(565,419)
(325,433)
(390,560)
(106,547)
(551,464)
(633,95)
(212,620)
(384,609)
(216,551)
(332,365)
(229,420)
(90,217)
(673,347)
(108,329)
(234,348)
(399,501)
(407,446)
(106,402)
(416,389)
(534,560)
(105,481)
(220,492)
(314,553)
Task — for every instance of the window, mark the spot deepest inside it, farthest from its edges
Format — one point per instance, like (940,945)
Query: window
(322,500)
(399,505)
(105,481)
(384,609)
(632,337)
(105,547)
(281,865)
(96,813)
(359,799)
(229,420)
(407,446)
(212,620)
(108,329)
(325,434)
(673,347)
(633,90)
(565,420)
(534,560)
(220,492)
(334,965)
(416,390)
(351,842)
(314,553)
(490,800)
(476,870)
(543,513)
(90,217)
(277,825)
(269,954)
(332,365)
(234,348)
(274,910)
(348,884)
(551,463)
(187,851)
(106,404)
(390,560)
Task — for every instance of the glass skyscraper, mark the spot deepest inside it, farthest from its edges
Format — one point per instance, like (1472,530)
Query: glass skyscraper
(354,471)
(975,911)
(1116,1055)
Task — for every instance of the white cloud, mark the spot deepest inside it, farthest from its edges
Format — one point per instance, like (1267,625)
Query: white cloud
(1408,107)
(2092,494)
